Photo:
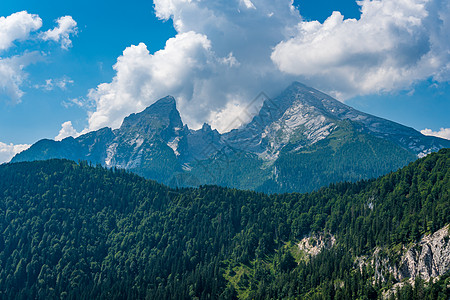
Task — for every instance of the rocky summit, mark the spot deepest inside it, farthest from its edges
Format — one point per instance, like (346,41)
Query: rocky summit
(299,141)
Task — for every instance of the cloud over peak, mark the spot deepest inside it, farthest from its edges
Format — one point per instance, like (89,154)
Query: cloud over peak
(442,133)
(218,61)
(66,131)
(142,78)
(227,52)
(392,45)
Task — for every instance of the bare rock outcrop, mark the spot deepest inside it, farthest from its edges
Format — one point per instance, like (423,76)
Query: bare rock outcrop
(312,245)
(429,258)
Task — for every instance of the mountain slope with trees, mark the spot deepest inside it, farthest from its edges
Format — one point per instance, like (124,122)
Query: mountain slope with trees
(76,231)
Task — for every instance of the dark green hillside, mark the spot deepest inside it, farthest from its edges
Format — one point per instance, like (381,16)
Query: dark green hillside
(237,169)
(74,231)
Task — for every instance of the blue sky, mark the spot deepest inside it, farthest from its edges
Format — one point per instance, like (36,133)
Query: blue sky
(214,57)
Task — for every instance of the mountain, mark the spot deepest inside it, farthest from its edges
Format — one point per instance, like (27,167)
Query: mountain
(300,141)
(75,231)
(301,116)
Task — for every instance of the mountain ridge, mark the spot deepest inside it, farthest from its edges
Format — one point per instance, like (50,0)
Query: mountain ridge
(332,109)
(156,144)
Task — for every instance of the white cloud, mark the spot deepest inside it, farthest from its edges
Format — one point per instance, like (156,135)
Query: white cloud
(142,78)
(249,4)
(51,84)
(219,60)
(63,82)
(233,115)
(226,52)
(17,27)
(442,133)
(61,33)
(66,131)
(76,102)
(393,44)
(8,151)
(12,74)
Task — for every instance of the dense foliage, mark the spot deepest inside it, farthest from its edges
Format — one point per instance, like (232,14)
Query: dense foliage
(79,231)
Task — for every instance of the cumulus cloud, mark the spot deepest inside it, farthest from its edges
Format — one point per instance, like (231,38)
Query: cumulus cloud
(17,26)
(226,52)
(142,77)
(217,62)
(393,44)
(442,133)
(61,33)
(7,151)
(66,131)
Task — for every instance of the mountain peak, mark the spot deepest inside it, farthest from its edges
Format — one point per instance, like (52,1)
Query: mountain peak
(163,105)
(162,111)
(274,109)
(206,127)
(298,84)
(298,87)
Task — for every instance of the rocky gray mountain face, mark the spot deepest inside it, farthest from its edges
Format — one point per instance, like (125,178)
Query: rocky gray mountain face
(301,116)
(301,140)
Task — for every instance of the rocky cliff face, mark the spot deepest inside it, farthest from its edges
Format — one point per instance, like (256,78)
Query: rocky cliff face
(429,258)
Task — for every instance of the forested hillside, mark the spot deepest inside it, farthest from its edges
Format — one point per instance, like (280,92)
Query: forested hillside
(75,231)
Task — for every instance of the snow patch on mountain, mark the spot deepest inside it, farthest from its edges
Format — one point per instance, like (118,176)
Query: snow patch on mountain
(139,142)
(110,153)
(173,143)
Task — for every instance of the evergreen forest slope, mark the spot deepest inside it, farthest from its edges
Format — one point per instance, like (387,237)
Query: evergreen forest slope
(76,231)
